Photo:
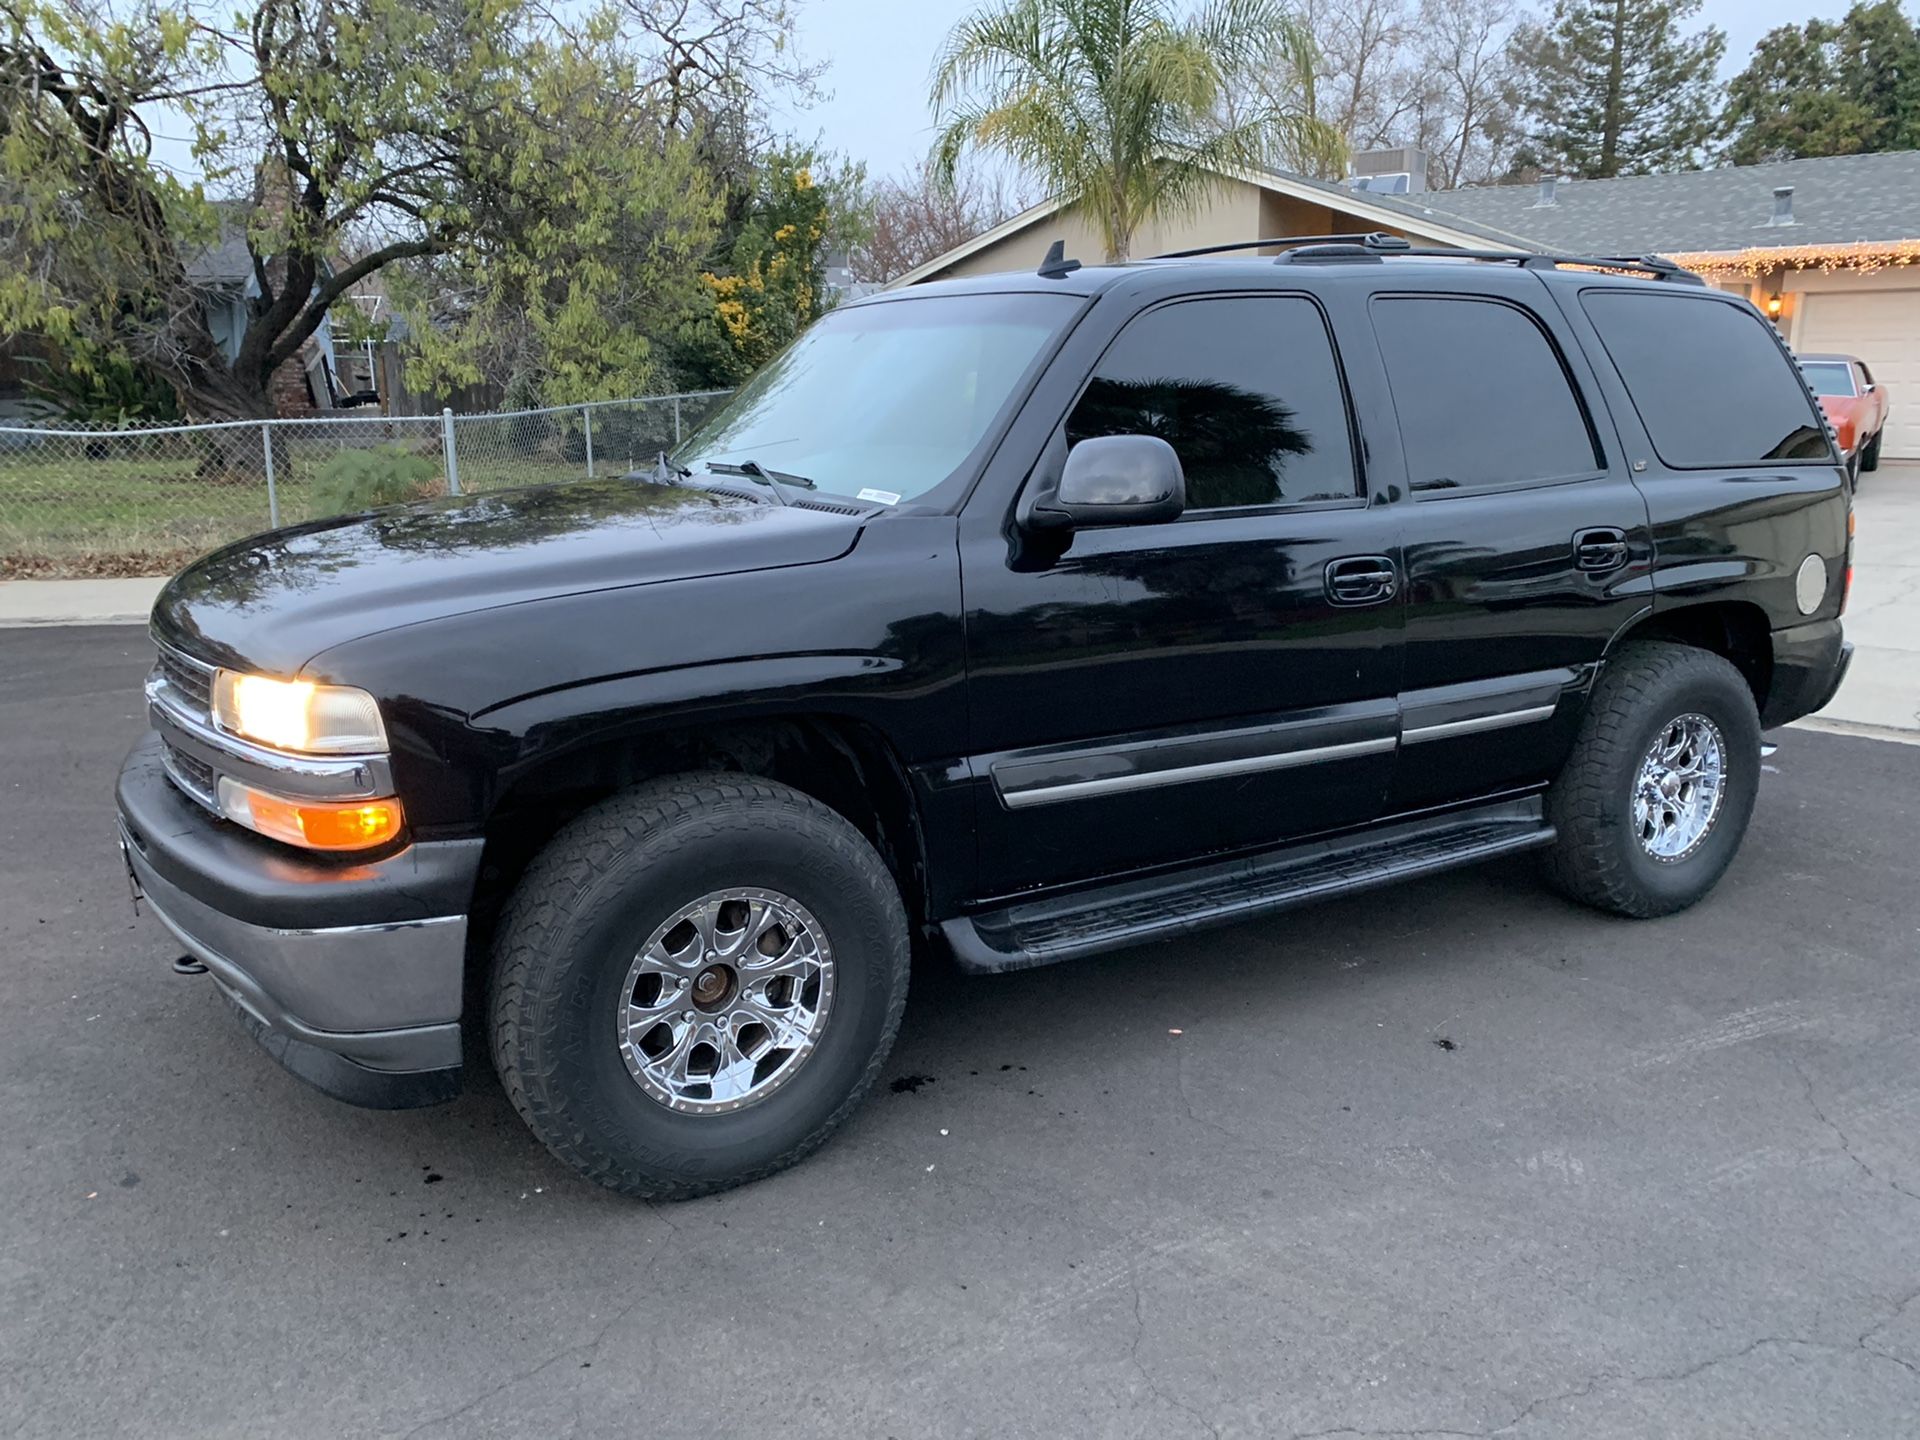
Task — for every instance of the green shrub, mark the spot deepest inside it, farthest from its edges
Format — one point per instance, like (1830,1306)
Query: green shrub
(99,388)
(356,480)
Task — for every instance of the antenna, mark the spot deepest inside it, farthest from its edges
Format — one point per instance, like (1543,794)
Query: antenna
(1056,265)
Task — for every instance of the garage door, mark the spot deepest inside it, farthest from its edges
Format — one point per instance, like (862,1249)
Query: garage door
(1882,327)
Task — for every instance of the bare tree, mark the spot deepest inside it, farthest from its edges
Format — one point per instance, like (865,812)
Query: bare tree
(915,218)
(1467,124)
(1363,86)
(710,67)
(712,57)
(1435,75)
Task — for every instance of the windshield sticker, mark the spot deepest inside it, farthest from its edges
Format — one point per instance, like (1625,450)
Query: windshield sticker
(879,497)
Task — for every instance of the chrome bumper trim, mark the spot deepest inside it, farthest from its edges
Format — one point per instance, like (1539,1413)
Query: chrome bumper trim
(387,996)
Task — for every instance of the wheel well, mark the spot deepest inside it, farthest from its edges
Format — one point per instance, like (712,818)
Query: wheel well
(1731,628)
(846,765)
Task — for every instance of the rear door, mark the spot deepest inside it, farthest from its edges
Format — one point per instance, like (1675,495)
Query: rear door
(1161,692)
(1525,539)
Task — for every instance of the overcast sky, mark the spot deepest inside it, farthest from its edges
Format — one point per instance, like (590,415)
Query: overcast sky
(880,52)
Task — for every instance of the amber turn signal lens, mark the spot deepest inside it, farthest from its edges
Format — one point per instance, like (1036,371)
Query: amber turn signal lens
(312,824)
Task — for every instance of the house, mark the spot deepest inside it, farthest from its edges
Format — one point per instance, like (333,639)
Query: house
(1829,247)
(223,277)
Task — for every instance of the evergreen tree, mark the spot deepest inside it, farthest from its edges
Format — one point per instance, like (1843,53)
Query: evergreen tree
(1828,88)
(1613,87)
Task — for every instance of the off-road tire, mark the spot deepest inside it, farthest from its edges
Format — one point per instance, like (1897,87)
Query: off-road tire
(1598,858)
(583,909)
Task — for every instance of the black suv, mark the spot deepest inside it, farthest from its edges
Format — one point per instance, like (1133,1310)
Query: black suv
(1033,615)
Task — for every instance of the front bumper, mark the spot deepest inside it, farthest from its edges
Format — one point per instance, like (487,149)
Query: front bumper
(1809,662)
(350,974)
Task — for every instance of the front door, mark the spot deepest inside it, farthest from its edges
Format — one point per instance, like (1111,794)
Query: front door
(1526,540)
(1158,692)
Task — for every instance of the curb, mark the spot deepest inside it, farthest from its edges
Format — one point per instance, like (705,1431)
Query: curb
(1822,725)
(48,622)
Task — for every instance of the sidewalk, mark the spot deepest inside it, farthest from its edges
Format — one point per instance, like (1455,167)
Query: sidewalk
(1883,617)
(78,602)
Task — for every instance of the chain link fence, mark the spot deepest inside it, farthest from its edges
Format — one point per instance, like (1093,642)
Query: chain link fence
(145,501)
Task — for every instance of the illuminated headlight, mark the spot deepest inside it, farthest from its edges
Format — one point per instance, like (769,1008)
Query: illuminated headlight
(298,715)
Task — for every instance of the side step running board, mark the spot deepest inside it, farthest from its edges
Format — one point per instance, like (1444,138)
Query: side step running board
(1132,912)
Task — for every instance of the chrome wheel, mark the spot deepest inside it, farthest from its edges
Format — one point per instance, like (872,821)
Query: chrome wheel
(1677,796)
(726,1000)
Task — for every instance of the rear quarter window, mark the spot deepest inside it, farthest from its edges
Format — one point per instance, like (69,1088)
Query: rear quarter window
(1709,380)
(1482,396)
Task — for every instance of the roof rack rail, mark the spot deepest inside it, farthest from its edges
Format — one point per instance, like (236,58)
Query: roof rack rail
(1657,266)
(1376,238)
(1056,265)
(1380,245)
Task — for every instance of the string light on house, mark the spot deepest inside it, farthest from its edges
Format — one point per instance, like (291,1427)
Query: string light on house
(1757,261)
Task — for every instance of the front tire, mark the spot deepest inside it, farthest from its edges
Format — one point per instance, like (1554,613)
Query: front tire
(1870,453)
(1651,808)
(695,983)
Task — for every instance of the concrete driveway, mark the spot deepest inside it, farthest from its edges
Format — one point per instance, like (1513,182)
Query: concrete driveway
(1883,616)
(1455,1159)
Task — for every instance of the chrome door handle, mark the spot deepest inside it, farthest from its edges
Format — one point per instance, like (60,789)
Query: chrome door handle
(1361,580)
(1601,550)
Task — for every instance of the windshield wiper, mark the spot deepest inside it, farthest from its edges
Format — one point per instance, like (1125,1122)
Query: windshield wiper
(665,472)
(772,479)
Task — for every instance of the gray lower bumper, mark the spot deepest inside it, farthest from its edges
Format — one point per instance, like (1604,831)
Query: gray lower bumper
(1809,662)
(350,978)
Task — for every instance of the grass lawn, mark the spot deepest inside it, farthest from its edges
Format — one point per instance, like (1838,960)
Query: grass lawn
(70,515)
(138,504)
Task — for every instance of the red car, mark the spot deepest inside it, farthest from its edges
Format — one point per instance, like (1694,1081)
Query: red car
(1853,402)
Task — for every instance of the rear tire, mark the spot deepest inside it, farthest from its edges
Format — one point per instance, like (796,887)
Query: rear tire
(1651,808)
(599,930)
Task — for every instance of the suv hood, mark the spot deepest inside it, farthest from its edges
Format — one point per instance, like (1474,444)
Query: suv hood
(273,602)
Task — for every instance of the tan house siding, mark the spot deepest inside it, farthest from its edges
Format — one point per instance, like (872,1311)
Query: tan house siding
(1234,213)
(1289,215)
(1237,211)
(1024,249)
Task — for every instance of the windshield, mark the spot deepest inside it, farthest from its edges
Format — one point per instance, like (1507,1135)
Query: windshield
(1829,377)
(883,401)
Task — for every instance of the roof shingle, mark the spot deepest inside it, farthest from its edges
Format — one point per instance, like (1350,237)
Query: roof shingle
(1837,200)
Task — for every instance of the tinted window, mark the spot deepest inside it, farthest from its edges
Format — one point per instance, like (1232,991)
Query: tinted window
(1709,379)
(1481,394)
(1245,390)
(1829,377)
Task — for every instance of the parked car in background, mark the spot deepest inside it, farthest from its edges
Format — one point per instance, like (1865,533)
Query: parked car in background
(1854,403)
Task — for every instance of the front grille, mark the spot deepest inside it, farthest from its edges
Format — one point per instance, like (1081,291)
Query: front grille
(193,777)
(188,679)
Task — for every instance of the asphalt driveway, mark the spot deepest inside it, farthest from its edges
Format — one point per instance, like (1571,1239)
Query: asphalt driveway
(1454,1159)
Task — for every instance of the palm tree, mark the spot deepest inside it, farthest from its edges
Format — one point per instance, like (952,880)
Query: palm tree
(1125,106)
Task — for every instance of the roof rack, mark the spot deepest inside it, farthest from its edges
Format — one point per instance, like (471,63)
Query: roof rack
(1377,239)
(1379,246)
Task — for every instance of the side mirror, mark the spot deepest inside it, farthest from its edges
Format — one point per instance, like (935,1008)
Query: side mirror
(1115,480)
